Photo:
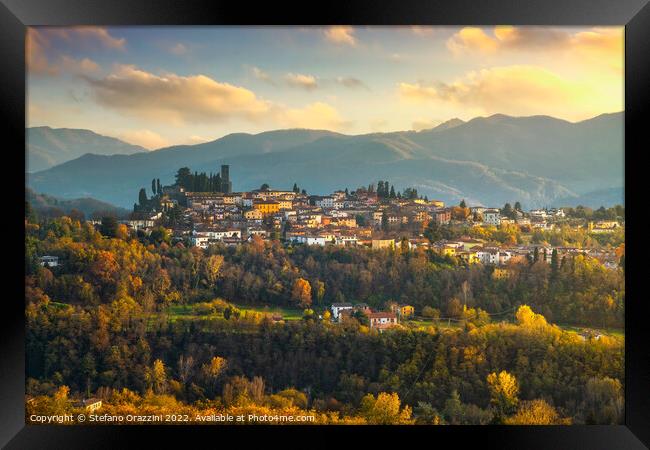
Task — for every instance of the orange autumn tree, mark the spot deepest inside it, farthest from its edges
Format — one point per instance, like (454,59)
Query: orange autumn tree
(301,292)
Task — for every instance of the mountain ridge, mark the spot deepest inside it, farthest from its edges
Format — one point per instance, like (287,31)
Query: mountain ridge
(47,147)
(534,159)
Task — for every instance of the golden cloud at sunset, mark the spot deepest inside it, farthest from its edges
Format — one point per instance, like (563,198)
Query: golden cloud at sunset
(600,44)
(341,35)
(317,115)
(174,98)
(517,90)
(179,100)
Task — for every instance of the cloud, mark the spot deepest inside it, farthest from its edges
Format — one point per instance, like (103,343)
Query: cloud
(175,99)
(98,34)
(343,35)
(36,59)
(424,124)
(145,138)
(603,44)
(317,115)
(350,82)
(517,90)
(79,66)
(261,75)
(40,41)
(307,82)
(423,30)
(82,36)
(178,49)
(179,100)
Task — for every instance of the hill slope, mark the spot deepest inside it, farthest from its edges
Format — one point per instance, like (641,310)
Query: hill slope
(43,203)
(47,147)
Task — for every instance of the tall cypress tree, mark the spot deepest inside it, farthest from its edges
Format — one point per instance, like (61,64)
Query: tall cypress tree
(142,197)
(555,263)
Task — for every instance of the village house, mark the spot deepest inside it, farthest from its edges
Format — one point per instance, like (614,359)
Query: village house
(492,217)
(402,311)
(378,244)
(338,307)
(442,216)
(49,261)
(382,320)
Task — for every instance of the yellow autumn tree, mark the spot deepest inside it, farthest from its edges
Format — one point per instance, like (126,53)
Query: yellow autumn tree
(504,390)
(536,412)
(385,410)
(527,318)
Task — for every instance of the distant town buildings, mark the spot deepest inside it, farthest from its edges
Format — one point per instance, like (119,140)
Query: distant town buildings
(344,218)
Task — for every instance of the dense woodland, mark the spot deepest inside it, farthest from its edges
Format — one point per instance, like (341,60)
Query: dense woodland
(97,326)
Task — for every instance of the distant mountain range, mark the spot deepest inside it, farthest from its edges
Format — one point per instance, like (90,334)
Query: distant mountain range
(536,160)
(47,147)
(43,203)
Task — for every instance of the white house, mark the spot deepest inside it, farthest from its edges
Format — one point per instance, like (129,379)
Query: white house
(338,307)
(49,261)
(492,217)
(324,202)
(488,256)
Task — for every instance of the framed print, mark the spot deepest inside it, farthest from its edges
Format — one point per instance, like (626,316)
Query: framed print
(362,220)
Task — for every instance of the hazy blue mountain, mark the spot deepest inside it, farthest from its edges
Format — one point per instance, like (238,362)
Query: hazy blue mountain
(47,147)
(595,199)
(535,160)
(45,204)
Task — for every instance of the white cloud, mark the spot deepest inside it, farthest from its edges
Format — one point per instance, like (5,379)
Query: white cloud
(79,66)
(299,80)
(261,75)
(341,35)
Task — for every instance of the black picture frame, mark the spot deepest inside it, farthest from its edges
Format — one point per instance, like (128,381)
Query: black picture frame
(16,15)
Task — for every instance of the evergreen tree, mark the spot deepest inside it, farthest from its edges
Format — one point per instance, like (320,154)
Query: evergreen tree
(517,206)
(384,221)
(142,197)
(295,188)
(109,226)
(555,263)
(158,186)
(392,191)
(507,211)
(463,204)
(183,176)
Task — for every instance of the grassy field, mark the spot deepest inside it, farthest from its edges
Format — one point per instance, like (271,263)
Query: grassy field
(188,312)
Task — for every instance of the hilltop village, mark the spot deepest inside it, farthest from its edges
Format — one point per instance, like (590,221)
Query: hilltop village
(200,210)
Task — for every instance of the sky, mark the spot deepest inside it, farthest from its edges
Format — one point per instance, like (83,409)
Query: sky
(162,86)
